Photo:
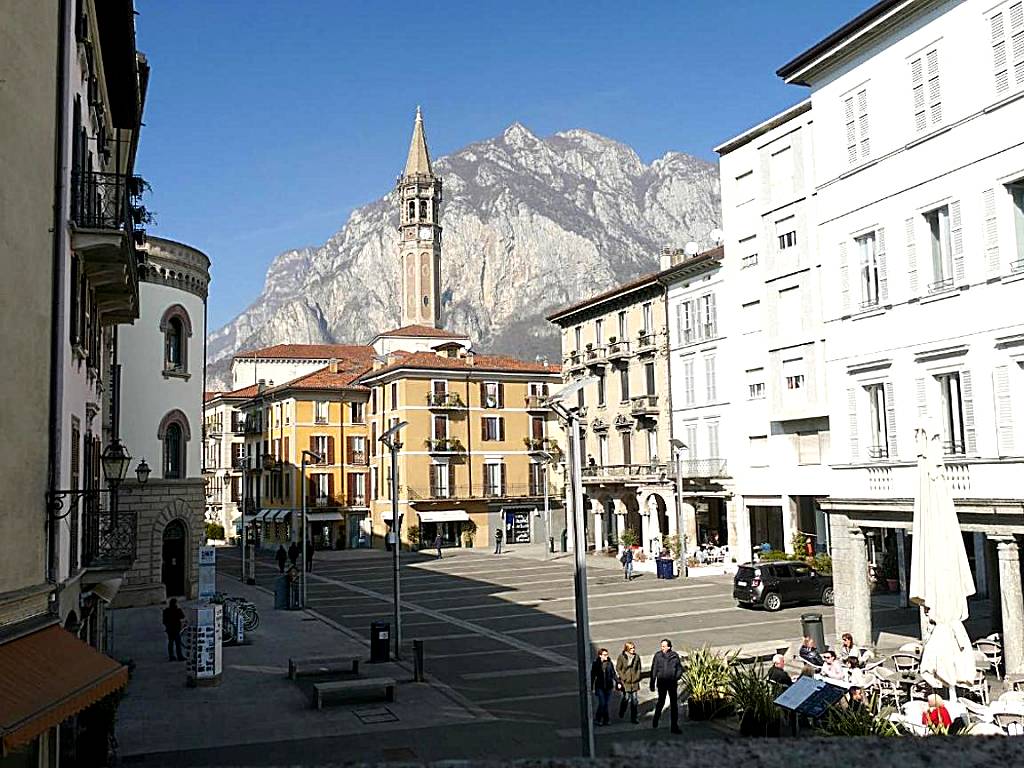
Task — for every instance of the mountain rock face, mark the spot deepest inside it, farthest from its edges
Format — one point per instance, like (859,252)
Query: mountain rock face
(530,225)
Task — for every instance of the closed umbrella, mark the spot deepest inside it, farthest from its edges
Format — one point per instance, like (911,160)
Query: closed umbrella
(940,575)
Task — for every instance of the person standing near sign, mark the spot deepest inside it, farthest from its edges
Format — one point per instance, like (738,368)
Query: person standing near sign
(627,667)
(293,553)
(497,541)
(666,671)
(174,618)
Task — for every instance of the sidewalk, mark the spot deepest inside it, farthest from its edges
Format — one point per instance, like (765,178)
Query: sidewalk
(256,702)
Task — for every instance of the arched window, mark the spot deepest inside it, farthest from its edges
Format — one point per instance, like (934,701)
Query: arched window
(177,328)
(412,210)
(174,434)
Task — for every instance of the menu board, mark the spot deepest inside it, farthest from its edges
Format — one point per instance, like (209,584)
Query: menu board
(518,527)
(205,642)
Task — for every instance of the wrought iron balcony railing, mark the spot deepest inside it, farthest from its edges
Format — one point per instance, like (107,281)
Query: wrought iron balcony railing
(444,445)
(655,469)
(537,403)
(444,401)
(108,543)
(480,491)
(703,468)
(645,405)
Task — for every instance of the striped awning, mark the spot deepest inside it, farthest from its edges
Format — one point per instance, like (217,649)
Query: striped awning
(48,676)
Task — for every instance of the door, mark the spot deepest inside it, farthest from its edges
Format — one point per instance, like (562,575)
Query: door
(173,571)
(805,584)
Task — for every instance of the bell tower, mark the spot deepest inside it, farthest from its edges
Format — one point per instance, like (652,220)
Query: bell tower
(419,193)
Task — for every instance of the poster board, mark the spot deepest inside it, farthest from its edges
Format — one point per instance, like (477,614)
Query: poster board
(207,572)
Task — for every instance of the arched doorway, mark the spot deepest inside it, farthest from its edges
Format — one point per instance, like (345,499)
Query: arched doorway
(173,571)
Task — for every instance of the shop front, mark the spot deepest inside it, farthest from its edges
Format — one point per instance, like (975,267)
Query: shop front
(518,528)
(449,524)
(272,528)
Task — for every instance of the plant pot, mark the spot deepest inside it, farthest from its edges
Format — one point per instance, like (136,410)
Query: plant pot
(700,709)
(893,584)
(751,725)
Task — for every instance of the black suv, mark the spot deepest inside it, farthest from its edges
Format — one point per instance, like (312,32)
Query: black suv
(777,583)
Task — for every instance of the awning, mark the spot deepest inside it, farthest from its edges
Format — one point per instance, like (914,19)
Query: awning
(324,517)
(49,676)
(280,515)
(107,590)
(443,516)
(272,515)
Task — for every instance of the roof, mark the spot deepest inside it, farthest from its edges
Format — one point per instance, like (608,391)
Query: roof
(343,379)
(236,394)
(424,331)
(481,363)
(650,279)
(762,128)
(208,396)
(418,162)
(50,675)
(310,352)
(846,32)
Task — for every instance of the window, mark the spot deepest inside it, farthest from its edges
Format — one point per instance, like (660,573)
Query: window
(652,445)
(602,450)
(793,372)
(627,448)
(708,316)
(939,230)
(787,240)
(373,401)
(320,446)
(491,394)
(924,85)
(758,446)
(688,383)
(394,395)
(598,333)
(578,331)
(952,400)
(712,432)
(649,378)
(440,427)
(494,479)
(624,384)
(878,431)
(321,410)
(868,270)
(648,316)
(321,488)
(440,480)
(745,187)
(795,381)
(357,489)
(748,247)
(174,433)
(75,329)
(600,389)
(1007,28)
(684,314)
(537,426)
(176,328)
(357,412)
(755,390)
(1017,195)
(581,398)
(709,378)
(858,142)
(691,440)
(493,428)
(537,389)
(623,327)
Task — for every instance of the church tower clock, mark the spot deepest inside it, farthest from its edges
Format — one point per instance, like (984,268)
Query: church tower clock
(419,192)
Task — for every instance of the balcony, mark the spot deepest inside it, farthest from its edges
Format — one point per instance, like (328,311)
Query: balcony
(1017,266)
(105,217)
(940,285)
(646,342)
(445,401)
(594,357)
(358,458)
(478,491)
(108,544)
(618,350)
(644,406)
(625,473)
(537,403)
(238,462)
(321,501)
(703,469)
(878,452)
(446,445)
(356,501)
(253,427)
(538,444)
(573,362)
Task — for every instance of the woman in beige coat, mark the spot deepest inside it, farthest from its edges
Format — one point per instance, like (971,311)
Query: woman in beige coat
(627,666)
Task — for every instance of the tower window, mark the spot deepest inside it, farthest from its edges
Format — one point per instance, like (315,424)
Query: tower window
(412,210)
(176,327)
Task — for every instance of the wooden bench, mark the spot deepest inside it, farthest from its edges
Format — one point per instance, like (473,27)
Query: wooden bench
(339,687)
(322,665)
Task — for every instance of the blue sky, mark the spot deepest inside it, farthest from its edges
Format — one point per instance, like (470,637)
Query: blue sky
(268,121)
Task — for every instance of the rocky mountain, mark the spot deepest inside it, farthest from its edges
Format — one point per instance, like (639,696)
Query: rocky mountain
(530,224)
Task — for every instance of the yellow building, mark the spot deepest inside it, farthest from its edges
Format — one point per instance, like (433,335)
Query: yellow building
(322,414)
(477,450)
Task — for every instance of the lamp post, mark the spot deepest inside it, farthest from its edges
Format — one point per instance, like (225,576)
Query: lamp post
(678,446)
(245,486)
(390,440)
(571,417)
(317,458)
(547,460)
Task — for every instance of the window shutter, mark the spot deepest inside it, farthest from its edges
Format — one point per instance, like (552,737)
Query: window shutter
(851,399)
(350,449)
(967,401)
(433,478)
(681,321)
(501,427)
(911,257)
(1002,74)
(844,279)
(988,199)
(713,312)
(851,132)
(330,487)
(890,420)
(287,451)
(883,273)
(312,443)
(451,479)
(934,94)
(483,394)
(503,476)
(1004,411)
(956,236)
(501,394)
(917,89)
(330,450)
(921,386)
(862,124)
(311,489)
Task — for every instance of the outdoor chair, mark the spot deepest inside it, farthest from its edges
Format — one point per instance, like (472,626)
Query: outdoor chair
(888,690)
(1012,696)
(906,664)
(985,729)
(978,712)
(993,651)
(912,648)
(979,687)
(1011,722)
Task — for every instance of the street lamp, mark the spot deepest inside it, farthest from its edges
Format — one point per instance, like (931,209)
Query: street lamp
(547,459)
(318,458)
(678,446)
(570,415)
(390,440)
(115,461)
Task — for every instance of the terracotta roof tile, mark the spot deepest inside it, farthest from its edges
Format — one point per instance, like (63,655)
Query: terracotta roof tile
(311,352)
(425,331)
(483,363)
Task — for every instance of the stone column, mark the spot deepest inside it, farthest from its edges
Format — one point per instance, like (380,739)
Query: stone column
(1012,606)
(599,540)
(850,578)
(994,596)
(645,529)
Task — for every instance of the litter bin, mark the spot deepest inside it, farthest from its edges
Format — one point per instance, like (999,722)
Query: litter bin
(565,540)
(380,642)
(281,592)
(665,568)
(812,626)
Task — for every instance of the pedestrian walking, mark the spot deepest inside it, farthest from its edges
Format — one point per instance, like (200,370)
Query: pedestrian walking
(293,553)
(627,668)
(174,618)
(282,557)
(437,545)
(603,681)
(497,541)
(309,556)
(666,671)
(627,563)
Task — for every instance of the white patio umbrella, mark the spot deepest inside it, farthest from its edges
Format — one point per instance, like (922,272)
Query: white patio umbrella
(940,575)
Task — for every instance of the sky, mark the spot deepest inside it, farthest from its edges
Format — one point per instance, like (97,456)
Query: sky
(268,121)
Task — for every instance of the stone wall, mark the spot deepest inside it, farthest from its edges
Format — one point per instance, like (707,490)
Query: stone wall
(157,503)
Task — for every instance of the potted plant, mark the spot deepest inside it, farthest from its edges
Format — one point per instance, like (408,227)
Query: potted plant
(890,571)
(630,538)
(706,677)
(468,533)
(413,531)
(754,696)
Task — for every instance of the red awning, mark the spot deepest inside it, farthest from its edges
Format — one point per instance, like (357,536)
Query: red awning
(48,676)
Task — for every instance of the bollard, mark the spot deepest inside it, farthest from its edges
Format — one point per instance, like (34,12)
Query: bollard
(417,655)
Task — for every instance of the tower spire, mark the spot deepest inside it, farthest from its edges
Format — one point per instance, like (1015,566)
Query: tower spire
(418,162)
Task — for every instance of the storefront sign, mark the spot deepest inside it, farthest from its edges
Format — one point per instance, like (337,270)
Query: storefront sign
(207,572)
(517,526)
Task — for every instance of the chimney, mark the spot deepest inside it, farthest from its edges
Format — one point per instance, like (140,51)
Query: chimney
(470,357)
(332,366)
(666,258)
(261,385)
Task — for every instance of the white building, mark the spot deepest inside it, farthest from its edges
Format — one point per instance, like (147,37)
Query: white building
(779,420)
(162,374)
(223,452)
(919,181)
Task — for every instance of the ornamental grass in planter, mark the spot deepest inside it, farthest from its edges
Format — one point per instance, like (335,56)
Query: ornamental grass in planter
(706,677)
(754,696)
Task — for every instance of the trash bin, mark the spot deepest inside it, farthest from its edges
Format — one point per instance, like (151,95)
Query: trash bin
(294,595)
(380,642)
(565,540)
(281,592)
(665,568)
(812,626)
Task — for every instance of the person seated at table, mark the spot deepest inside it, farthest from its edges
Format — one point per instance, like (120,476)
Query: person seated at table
(847,649)
(857,702)
(809,652)
(777,672)
(936,715)
(832,668)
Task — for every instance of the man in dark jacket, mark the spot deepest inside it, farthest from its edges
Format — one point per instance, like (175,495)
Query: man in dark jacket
(174,617)
(293,553)
(666,671)
(809,652)
(282,557)
(777,672)
(602,682)
(497,541)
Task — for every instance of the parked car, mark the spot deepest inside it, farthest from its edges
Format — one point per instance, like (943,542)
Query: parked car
(775,584)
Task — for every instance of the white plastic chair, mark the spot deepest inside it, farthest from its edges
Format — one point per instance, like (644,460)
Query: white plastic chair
(985,729)
(993,651)
(906,664)
(978,712)
(980,686)
(914,648)
(1011,722)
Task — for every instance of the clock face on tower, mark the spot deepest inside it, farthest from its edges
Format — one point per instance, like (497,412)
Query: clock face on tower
(426,233)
